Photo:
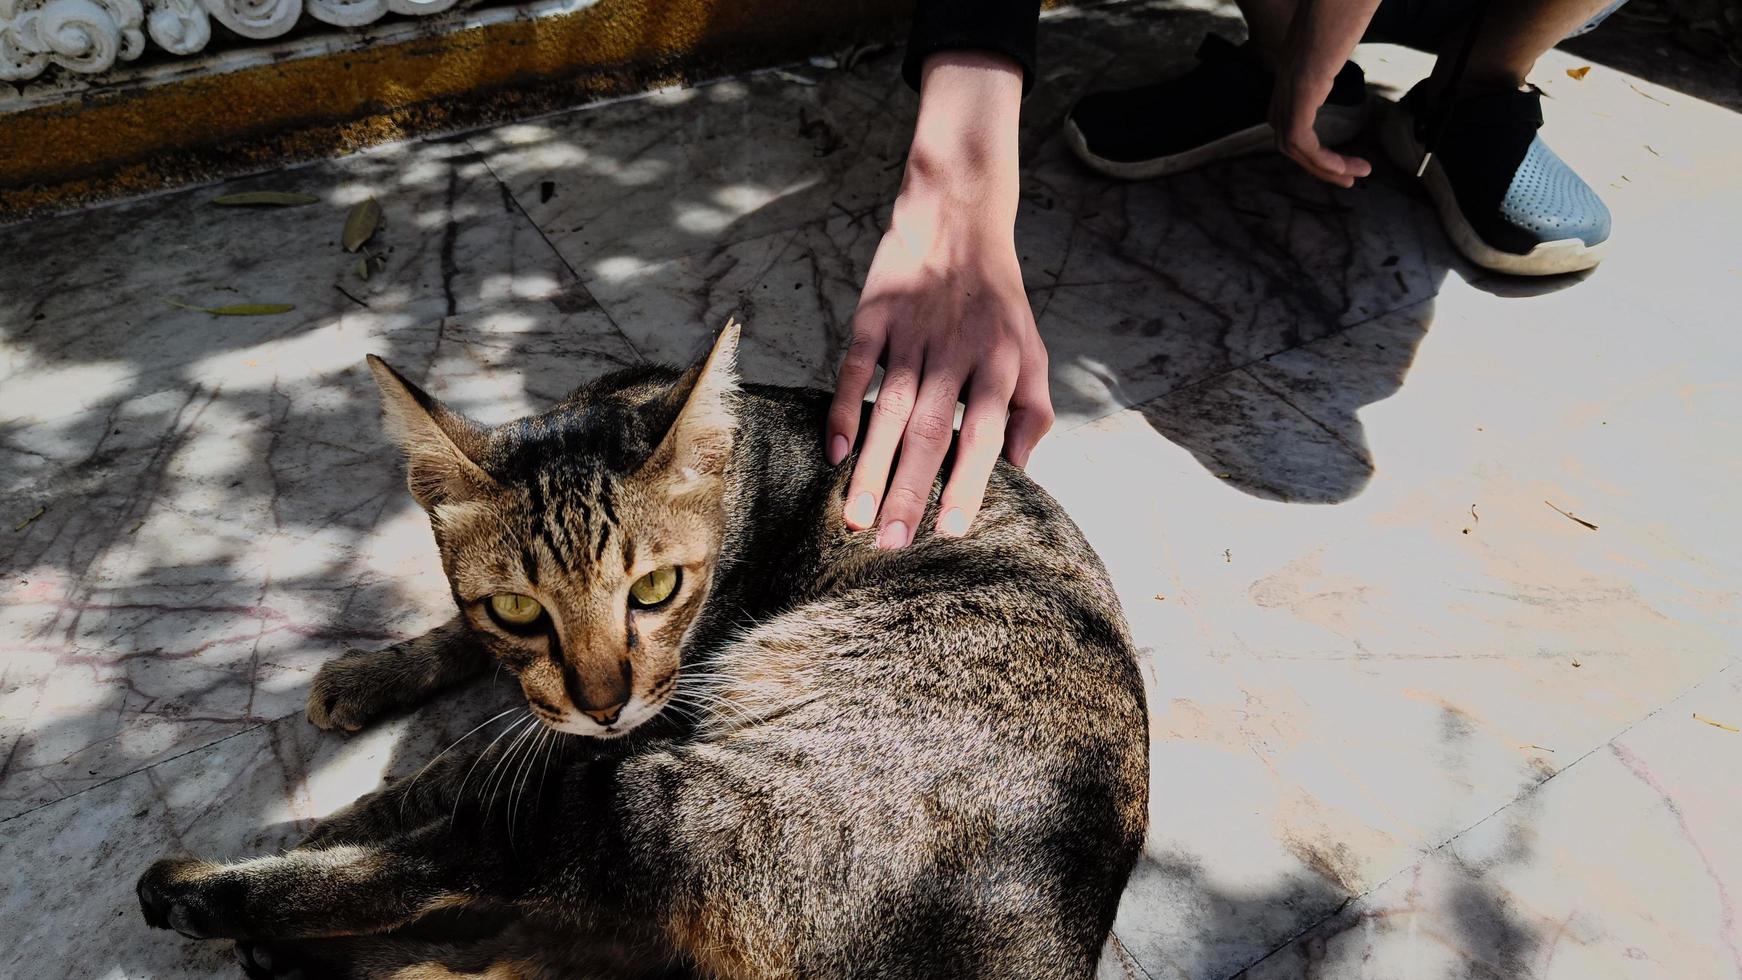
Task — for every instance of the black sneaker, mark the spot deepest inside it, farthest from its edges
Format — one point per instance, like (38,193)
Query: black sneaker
(1218,109)
(1507,201)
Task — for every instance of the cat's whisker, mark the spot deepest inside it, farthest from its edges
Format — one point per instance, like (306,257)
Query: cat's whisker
(516,794)
(678,708)
(413,784)
(460,793)
(558,745)
(534,736)
(508,807)
(540,762)
(504,766)
(718,705)
(707,698)
(684,713)
(550,745)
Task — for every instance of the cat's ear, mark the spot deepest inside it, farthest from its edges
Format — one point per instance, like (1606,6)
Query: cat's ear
(695,450)
(440,445)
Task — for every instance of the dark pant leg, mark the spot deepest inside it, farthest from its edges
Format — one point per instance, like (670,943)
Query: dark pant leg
(1423,24)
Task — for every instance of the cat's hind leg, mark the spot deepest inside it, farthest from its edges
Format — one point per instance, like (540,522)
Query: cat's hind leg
(361,685)
(439,840)
(326,891)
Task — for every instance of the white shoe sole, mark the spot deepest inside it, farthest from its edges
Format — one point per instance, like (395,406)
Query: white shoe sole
(1334,125)
(1546,259)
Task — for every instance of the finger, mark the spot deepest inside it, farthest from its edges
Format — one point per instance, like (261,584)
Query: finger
(889,415)
(1330,161)
(857,369)
(923,445)
(1303,147)
(977,449)
(1030,409)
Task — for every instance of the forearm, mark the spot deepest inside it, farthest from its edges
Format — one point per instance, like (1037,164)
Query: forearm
(964,151)
(1004,27)
(1333,27)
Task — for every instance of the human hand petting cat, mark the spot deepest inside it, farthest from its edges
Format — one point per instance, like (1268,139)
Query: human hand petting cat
(944,311)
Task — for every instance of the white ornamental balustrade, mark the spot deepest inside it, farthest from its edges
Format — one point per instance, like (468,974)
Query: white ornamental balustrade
(78,35)
(91,36)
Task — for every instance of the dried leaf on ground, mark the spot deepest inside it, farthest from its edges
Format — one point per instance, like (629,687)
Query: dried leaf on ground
(1578,74)
(1717,724)
(271,199)
(237,309)
(360,224)
(1571,517)
(21,525)
(1647,94)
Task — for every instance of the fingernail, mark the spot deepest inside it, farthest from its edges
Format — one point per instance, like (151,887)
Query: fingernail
(954,522)
(838,447)
(893,535)
(862,511)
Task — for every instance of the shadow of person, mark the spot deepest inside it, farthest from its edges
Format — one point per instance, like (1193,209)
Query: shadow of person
(1286,425)
(1174,293)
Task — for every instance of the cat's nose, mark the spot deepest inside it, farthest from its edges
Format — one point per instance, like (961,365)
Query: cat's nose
(605,716)
(599,693)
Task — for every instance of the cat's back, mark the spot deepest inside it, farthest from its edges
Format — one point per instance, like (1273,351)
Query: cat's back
(1022,543)
(1004,652)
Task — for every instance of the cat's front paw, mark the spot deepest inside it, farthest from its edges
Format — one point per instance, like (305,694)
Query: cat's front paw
(350,691)
(173,895)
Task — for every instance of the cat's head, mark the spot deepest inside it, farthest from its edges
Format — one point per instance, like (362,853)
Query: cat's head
(580,542)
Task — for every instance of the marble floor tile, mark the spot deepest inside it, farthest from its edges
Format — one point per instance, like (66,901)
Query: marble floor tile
(1526,404)
(180,560)
(794,292)
(1372,678)
(72,864)
(1624,866)
(88,313)
(696,168)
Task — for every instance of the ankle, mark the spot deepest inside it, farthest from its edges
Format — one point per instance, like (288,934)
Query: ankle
(1473,83)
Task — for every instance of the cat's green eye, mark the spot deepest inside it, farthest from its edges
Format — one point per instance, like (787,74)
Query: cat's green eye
(515,609)
(654,588)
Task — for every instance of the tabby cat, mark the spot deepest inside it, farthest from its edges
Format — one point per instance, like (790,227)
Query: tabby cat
(790,754)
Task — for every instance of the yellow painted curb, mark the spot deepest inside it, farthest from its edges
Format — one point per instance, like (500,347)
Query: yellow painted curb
(127,142)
